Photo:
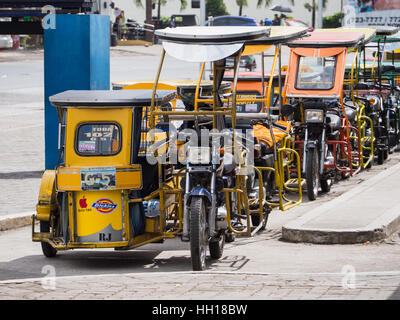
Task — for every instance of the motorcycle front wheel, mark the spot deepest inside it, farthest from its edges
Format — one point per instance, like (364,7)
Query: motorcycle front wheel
(198,233)
(312,174)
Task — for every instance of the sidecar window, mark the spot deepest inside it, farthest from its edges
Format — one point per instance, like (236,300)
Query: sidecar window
(249,106)
(315,73)
(98,139)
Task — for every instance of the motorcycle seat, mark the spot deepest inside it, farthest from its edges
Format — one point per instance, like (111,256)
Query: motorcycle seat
(262,133)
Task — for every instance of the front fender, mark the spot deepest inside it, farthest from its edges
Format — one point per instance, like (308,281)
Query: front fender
(199,192)
(311,144)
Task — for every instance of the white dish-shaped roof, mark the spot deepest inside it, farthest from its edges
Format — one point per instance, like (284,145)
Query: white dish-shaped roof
(200,52)
(207,35)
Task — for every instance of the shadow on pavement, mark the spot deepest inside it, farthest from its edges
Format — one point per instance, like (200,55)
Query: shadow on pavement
(171,256)
(21,175)
(395,295)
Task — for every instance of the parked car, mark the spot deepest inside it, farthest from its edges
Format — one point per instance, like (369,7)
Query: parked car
(6,42)
(185,20)
(233,21)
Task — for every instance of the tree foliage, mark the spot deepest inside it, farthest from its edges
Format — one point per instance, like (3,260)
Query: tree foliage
(334,21)
(313,7)
(160,3)
(269,2)
(216,8)
(241,4)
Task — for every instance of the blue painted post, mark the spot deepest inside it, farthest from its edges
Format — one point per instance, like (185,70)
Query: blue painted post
(76,57)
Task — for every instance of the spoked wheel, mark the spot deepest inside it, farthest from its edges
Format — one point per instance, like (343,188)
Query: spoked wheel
(198,233)
(47,249)
(312,174)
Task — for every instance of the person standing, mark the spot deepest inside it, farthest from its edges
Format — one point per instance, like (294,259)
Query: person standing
(276,21)
(171,23)
(122,25)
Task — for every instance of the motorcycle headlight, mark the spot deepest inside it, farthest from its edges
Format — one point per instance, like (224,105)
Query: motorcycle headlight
(314,116)
(198,155)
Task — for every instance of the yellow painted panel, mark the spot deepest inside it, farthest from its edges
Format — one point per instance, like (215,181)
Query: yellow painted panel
(254,49)
(77,116)
(96,210)
(127,177)
(152,225)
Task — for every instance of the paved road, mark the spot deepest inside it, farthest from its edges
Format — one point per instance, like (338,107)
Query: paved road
(263,267)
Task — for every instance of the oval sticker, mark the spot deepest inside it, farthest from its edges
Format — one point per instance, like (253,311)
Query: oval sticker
(104,206)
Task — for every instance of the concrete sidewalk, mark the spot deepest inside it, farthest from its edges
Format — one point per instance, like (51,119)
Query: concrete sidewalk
(368,212)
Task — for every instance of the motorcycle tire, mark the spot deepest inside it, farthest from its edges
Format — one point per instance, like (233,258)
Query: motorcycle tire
(216,247)
(255,220)
(198,233)
(47,249)
(326,184)
(229,237)
(312,174)
(381,157)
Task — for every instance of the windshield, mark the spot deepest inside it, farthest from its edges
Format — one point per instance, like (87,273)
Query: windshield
(230,21)
(98,139)
(316,73)
(250,106)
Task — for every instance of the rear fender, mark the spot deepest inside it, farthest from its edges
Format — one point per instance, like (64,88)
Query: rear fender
(47,201)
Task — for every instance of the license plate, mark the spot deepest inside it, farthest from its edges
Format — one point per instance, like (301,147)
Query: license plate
(99,178)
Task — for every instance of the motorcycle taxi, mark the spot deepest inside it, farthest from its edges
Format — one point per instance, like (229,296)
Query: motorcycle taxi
(314,95)
(96,197)
(378,86)
(260,92)
(369,94)
(390,87)
(214,179)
